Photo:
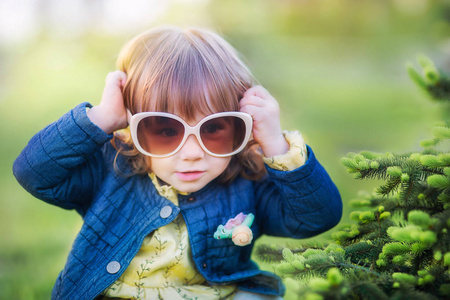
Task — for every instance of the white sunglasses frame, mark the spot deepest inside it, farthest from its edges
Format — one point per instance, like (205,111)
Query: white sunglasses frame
(133,121)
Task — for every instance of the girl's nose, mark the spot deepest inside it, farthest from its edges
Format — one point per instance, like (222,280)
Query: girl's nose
(191,149)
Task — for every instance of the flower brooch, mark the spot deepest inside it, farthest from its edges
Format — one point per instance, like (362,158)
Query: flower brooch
(238,229)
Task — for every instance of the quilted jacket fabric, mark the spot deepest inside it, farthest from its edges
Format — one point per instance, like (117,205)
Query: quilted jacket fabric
(70,164)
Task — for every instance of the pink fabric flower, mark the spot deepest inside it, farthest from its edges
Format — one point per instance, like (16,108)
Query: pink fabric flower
(235,221)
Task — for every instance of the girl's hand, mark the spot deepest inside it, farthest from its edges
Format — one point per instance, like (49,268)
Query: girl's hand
(111,115)
(265,112)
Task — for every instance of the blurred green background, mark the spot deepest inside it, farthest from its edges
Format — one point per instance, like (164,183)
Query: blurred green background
(336,67)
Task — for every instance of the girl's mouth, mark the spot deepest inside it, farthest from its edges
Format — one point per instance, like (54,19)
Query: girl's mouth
(190,175)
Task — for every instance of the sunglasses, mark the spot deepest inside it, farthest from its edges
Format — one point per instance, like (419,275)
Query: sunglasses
(160,134)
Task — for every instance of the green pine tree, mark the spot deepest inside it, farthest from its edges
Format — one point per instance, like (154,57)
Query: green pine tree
(399,247)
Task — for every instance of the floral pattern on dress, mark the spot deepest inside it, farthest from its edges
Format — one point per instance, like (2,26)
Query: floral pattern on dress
(294,158)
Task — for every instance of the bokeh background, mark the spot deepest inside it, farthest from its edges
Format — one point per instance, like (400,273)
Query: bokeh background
(336,67)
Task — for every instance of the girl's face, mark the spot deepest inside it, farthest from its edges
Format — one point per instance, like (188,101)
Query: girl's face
(191,168)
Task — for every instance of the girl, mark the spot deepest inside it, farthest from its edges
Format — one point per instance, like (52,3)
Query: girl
(161,199)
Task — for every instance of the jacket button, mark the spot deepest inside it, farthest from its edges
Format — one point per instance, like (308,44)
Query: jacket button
(165,212)
(113,267)
(191,198)
(204,266)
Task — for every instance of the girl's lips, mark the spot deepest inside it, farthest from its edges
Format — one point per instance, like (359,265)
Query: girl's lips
(190,175)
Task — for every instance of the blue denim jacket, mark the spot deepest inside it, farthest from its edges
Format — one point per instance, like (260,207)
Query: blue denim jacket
(70,164)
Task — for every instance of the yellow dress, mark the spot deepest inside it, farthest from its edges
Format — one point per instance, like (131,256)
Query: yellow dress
(163,268)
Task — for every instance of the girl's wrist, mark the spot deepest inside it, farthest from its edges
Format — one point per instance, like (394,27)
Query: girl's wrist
(275,146)
(101,119)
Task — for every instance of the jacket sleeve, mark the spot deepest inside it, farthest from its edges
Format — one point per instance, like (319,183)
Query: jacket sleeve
(63,163)
(300,203)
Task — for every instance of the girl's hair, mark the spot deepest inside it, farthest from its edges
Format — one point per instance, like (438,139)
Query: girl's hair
(184,72)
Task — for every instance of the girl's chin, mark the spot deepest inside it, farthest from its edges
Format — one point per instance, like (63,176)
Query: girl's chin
(188,186)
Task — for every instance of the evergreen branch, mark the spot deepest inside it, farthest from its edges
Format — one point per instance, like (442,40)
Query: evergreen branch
(432,81)
(390,187)
(400,246)
(368,290)
(431,171)
(440,91)
(357,267)
(274,253)
(362,251)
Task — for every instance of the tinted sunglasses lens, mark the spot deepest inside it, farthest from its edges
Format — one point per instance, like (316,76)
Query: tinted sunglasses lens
(159,135)
(223,135)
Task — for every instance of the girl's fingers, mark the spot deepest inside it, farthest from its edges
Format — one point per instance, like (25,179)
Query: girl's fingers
(247,109)
(258,91)
(258,113)
(123,78)
(116,76)
(267,106)
(252,100)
